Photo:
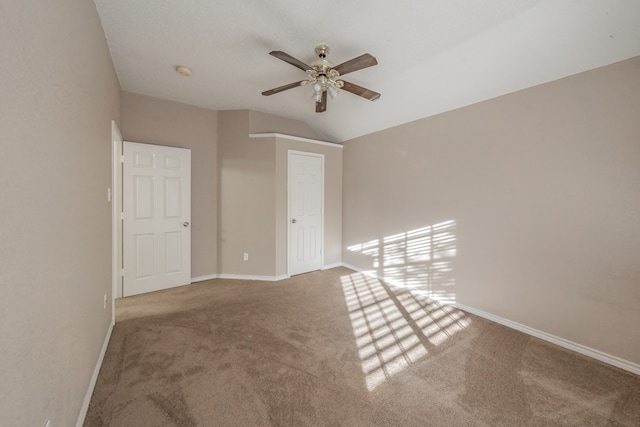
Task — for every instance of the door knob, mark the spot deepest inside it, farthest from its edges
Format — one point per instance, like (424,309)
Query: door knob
(186,224)
(294,221)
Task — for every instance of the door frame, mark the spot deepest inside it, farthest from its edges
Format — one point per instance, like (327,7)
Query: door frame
(116,217)
(310,154)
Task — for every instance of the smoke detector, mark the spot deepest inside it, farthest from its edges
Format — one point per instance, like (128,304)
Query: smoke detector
(185,71)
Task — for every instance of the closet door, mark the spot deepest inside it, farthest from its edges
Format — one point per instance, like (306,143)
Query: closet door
(306,199)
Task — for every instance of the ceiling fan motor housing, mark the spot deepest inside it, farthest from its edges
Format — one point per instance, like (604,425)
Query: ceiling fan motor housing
(322,69)
(322,50)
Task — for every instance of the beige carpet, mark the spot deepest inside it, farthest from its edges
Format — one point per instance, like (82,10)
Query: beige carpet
(336,348)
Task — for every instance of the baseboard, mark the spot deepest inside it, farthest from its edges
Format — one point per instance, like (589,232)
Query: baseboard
(203,278)
(570,345)
(370,273)
(564,343)
(334,265)
(250,277)
(94,378)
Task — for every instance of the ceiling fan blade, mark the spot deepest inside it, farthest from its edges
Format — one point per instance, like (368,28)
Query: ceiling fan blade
(355,64)
(321,107)
(361,91)
(282,88)
(290,59)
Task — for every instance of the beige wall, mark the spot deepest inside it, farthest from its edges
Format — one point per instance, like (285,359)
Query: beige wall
(234,182)
(59,95)
(543,186)
(253,195)
(246,207)
(155,121)
(332,200)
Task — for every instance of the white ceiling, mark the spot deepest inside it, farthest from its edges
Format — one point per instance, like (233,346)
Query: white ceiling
(433,56)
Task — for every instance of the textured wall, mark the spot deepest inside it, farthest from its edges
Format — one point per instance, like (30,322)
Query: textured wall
(59,95)
(246,208)
(233,180)
(156,121)
(526,206)
(253,190)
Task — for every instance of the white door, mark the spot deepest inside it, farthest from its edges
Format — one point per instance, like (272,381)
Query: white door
(156,226)
(306,198)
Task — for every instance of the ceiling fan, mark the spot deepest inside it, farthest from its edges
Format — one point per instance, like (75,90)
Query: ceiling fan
(324,76)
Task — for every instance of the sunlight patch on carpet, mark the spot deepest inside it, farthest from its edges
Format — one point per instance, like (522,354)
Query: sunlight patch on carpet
(394,330)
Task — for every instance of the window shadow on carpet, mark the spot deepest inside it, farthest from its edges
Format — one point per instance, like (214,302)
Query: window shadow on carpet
(394,329)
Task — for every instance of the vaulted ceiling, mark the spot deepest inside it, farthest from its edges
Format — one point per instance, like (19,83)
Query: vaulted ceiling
(433,56)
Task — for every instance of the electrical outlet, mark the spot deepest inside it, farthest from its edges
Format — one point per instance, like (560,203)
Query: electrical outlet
(246,256)
(105,302)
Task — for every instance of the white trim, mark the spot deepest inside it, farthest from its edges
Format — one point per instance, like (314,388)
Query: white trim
(370,273)
(330,266)
(295,138)
(94,378)
(570,345)
(116,221)
(203,278)
(248,277)
(564,343)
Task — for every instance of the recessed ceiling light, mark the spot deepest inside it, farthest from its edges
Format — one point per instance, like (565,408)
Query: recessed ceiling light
(185,71)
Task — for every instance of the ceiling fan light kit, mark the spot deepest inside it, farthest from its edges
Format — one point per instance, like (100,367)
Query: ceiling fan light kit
(324,76)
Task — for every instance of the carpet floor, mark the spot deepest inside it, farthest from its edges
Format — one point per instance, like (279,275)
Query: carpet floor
(337,348)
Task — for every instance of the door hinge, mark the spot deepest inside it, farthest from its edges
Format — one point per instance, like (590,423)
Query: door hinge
(122,272)
(121,159)
(121,215)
